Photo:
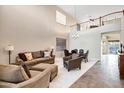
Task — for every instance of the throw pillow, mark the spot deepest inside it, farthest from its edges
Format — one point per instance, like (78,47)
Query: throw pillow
(22,56)
(28,56)
(12,74)
(42,53)
(47,54)
(36,54)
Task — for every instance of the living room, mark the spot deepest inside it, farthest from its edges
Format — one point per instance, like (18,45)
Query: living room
(34,37)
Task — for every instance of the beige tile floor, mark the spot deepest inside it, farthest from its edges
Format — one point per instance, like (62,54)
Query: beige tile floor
(103,74)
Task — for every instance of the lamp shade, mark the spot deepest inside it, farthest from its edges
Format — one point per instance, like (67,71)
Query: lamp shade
(9,48)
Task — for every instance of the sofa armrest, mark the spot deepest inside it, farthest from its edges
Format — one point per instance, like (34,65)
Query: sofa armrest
(67,58)
(39,81)
(4,84)
(75,61)
(18,61)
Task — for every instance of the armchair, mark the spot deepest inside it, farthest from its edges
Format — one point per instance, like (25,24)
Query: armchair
(85,57)
(81,52)
(66,52)
(72,63)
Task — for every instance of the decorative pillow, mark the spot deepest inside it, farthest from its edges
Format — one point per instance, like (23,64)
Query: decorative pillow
(47,54)
(74,56)
(22,56)
(28,56)
(36,54)
(12,74)
(42,53)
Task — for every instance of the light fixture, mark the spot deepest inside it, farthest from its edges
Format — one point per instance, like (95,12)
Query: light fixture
(75,35)
(9,48)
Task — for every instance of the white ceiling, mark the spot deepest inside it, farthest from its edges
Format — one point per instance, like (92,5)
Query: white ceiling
(83,12)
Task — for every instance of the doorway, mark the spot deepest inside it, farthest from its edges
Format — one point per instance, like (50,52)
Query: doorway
(110,43)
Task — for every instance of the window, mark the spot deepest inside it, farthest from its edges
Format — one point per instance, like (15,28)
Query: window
(60,18)
(60,44)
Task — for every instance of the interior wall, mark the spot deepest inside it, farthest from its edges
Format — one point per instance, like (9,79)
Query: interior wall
(91,39)
(29,28)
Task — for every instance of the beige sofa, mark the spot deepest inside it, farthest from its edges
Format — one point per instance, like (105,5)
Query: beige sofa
(37,57)
(40,63)
(42,71)
(39,79)
(52,68)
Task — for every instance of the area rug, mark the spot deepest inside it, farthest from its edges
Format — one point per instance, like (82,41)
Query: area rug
(64,78)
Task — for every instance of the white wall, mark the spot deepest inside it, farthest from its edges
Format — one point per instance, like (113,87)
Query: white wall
(91,39)
(29,28)
(110,28)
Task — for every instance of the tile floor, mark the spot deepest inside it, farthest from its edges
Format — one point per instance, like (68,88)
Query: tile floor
(103,74)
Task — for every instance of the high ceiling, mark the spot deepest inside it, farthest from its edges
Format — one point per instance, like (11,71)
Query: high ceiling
(83,12)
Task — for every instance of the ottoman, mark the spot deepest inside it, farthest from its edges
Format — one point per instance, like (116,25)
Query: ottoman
(53,69)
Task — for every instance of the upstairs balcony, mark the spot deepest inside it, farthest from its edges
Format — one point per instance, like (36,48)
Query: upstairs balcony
(108,19)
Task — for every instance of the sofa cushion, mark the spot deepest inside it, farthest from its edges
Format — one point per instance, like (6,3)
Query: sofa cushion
(40,60)
(37,60)
(34,72)
(22,56)
(12,73)
(42,53)
(36,54)
(31,62)
(29,56)
(52,67)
